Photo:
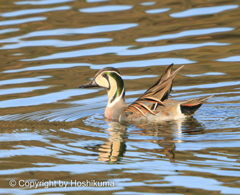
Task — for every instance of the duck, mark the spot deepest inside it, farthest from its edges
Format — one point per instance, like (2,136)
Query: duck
(152,106)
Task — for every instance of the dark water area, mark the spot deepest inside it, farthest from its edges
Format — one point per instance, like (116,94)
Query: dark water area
(50,130)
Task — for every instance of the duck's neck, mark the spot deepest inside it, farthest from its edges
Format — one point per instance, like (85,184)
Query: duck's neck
(116,102)
(116,90)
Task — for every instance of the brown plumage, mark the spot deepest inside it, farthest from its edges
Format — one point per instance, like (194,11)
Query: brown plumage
(155,94)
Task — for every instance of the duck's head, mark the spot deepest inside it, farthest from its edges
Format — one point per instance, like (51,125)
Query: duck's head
(110,79)
(104,78)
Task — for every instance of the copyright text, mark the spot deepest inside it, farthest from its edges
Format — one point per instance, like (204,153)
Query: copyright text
(58,183)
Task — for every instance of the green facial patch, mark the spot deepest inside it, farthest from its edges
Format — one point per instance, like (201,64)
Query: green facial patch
(120,84)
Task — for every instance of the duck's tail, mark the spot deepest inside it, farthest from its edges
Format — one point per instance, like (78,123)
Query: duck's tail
(190,107)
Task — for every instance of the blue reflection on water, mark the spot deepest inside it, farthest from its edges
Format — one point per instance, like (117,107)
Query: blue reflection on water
(46,67)
(79,53)
(106,8)
(156,11)
(199,183)
(67,31)
(127,64)
(203,11)
(186,33)
(24,80)
(41,2)
(205,74)
(22,21)
(124,50)
(230,59)
(46,98)
(145,63)
(3,31)
(55,43)
(148,3)
(93,1)
(209,85)
(21,90)
(34,11)
(138,77)
(17,54)
(166,48)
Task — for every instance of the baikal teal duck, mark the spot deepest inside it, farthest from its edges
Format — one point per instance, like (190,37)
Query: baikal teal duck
(152,106)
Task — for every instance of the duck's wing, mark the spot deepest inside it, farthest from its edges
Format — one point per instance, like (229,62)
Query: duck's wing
(155,94)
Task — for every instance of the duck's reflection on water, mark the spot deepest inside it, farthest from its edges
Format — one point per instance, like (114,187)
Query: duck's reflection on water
(165,134)
(114,148)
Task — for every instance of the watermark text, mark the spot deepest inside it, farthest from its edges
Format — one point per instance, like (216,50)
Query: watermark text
(59,183)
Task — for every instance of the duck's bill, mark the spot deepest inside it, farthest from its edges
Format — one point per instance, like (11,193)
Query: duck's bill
(88,85)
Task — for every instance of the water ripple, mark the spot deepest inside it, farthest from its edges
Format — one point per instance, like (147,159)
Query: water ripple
(22,136)
(41,2)
(230,59)
(55,43)
(72,31)
(167,48)
(145,63)
(203,11)
(125,51)
(192,182)
(186,33)
(3,31)
(70,187)
(28,151)
(137,77)
(34,11)
(24,80)
(148,3)
(138,63)
(46,67)
(210,85)
(80,53)
(45,99)
(21,90)
(93,1)
(21,21)
(106,8)
(156,11)
(205,74)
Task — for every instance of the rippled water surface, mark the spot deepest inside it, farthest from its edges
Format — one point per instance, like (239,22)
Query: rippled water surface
(53,131)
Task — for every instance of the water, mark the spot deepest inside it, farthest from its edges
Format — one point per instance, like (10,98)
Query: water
(51,131)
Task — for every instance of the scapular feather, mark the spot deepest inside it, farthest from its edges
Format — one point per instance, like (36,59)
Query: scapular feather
(155,94)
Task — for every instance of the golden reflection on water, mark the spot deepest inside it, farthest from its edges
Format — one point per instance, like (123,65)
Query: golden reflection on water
(162,133)
(112,150)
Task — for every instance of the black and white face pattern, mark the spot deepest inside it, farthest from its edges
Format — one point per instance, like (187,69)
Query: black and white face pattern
(108,78)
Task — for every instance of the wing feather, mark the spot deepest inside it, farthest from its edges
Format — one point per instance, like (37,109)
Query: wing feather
(156,94)
(136,110)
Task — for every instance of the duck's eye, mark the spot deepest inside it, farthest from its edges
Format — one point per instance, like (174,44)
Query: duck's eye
(104,75)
